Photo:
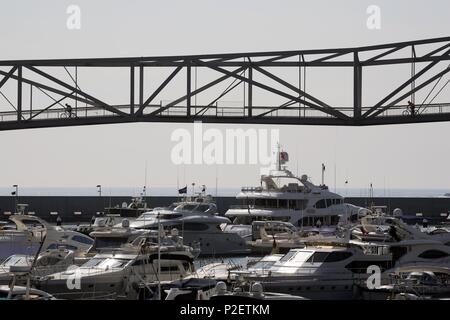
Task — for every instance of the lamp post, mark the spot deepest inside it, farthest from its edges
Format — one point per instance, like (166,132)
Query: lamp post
(15,193)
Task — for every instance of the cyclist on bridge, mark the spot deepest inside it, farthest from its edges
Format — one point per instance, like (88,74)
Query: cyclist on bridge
(69,110)
(412,108)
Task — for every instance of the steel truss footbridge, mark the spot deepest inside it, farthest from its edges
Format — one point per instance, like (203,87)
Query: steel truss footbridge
(405,82)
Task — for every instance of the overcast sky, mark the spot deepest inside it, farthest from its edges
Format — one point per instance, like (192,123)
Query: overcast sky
(400,156)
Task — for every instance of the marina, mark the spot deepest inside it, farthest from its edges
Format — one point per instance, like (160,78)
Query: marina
(219,159)
(287,239)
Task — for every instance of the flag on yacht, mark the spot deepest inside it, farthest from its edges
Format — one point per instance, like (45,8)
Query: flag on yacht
(284,157)
(182,190)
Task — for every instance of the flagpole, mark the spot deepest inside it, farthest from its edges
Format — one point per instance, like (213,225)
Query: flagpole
(16,195)
(159,257)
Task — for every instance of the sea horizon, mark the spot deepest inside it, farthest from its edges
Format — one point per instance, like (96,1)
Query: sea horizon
(221,192)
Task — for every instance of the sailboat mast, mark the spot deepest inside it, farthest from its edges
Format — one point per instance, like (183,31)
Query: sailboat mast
(278,158)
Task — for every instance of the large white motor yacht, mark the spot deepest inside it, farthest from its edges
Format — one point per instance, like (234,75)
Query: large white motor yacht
(333,271)
(118,274)
(47,262)
(282,196)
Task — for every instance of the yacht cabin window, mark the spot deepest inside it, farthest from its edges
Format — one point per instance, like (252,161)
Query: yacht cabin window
(276,203)
(325,203)
(190,226)
(169,216)
(105,263)
(32,224)
(338,256)
(82,239)
(248,219)
(433,254)
(57,245)
(318,257)
(325,257)
(169,269)
(299,256)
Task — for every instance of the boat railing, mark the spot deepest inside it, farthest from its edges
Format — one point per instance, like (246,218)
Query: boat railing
(252,206)
(376,250)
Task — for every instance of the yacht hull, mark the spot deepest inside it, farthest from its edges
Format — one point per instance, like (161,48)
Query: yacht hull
(329,288)
(217,244)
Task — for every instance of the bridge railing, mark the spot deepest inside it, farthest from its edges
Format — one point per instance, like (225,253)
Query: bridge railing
(219,110)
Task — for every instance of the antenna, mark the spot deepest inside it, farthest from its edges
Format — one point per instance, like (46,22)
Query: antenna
(145,180)
(217,182)
(335,175)
(178,179)
(323,174)
(278,157)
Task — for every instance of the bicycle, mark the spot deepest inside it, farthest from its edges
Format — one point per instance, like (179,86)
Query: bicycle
(410,110)
(67,115)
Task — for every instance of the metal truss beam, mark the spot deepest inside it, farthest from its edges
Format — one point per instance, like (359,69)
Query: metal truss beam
(253,73)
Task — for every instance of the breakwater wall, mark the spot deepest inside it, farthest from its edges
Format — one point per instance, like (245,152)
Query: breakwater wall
(66,206)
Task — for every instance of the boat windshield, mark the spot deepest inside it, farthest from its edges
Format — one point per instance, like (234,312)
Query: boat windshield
(262,265)
(146,216)
(186,207)
(152,241)
(297,255)
(105,263)
(285,182)
(203,208)
(17,261)
(172,206)
(114,242)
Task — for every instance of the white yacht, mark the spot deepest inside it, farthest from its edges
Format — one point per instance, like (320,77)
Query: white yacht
(198,223)
(26,234)
(332,271)
(119,274)
(255,294)
(282,196)
(385,228)
(207,289)
(421,282)
(47,262)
